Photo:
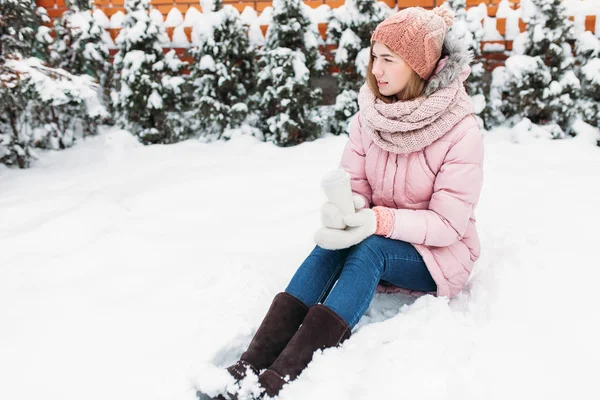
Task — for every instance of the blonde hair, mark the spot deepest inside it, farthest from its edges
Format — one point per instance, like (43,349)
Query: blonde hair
(414,88)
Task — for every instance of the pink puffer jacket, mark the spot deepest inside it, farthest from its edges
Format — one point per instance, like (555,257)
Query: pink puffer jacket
(433,193)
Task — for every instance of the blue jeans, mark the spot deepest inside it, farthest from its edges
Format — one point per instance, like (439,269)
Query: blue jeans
(345,280)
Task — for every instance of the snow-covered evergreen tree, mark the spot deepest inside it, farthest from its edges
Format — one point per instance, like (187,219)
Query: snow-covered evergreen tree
(147,83)
(587,48)
(44,107)
(224,72)
(79,47)
(21,35)
(287,104)
(21,29)
(540,83)
(350,28)
(16,148)
(69,105)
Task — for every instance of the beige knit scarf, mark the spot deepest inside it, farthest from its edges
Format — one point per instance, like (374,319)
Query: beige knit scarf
(407,126)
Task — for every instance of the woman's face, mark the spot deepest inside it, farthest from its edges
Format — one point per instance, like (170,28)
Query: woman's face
(391,72)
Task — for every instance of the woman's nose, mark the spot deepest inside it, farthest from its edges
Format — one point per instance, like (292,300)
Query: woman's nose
(376,68)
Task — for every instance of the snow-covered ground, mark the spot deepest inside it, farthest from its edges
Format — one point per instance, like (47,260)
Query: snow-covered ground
(130,272)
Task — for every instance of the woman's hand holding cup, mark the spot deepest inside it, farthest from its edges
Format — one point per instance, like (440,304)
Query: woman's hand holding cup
(332,216)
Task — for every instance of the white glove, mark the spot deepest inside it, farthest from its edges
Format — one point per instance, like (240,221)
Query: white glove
(359,227)
(331,215)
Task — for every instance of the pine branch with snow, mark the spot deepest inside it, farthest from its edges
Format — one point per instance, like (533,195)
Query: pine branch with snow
(79,47)
(21,31)
(44,107)
(16,147)
(587,48)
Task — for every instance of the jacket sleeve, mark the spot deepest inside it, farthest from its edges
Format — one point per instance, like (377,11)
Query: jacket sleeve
(353,161)
(456,191)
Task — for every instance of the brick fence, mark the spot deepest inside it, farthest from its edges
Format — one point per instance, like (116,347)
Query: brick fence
(492,50)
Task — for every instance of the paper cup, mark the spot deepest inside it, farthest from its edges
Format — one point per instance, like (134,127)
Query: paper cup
(336,185)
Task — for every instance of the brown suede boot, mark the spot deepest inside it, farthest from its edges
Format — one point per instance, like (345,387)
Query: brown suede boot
(322,328)
(277,328)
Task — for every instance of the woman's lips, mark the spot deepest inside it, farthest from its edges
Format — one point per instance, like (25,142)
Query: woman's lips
(380,83)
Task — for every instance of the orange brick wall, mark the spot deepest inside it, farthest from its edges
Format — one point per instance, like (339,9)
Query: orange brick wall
(55,8)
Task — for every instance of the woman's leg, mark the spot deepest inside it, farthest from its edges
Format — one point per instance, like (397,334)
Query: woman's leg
(288,310)
(316,275)
(376,258)
(330,324)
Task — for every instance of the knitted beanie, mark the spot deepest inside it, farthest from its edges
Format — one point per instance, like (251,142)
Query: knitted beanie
(416,35)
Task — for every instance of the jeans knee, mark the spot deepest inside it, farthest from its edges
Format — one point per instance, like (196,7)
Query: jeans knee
(370,254)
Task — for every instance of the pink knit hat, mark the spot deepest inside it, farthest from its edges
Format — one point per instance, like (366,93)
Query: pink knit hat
(416,35)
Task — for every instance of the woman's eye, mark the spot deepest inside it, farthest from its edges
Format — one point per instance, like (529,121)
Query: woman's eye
(388,60)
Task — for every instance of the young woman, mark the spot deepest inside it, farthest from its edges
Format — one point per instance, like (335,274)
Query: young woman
(415,158)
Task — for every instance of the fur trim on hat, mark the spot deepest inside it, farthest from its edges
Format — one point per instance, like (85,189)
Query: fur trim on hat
(459,55)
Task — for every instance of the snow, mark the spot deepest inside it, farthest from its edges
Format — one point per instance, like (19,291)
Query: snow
(318,15)
(527,9)
(192,16)
(43,35)
(586,134)
(107,40)
(156,16)
(493,47)
(129,271)
(520,43)
(504,9)
(311,39)
(477,13)
(202,29)
(591,71)
(134,59)
(155,101)
(555,89)
(362,61)
(249,15)
(54,91)
(101,18)
(349,39)
(266,16)
(299,65)
(581,7)
(116,20)
(179,37)
(587,42)
(521,64)
(174,18)
(207,62)
(490,31)
(255,35)
(478,103)
(512,19)
(207,5)
(569,79)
